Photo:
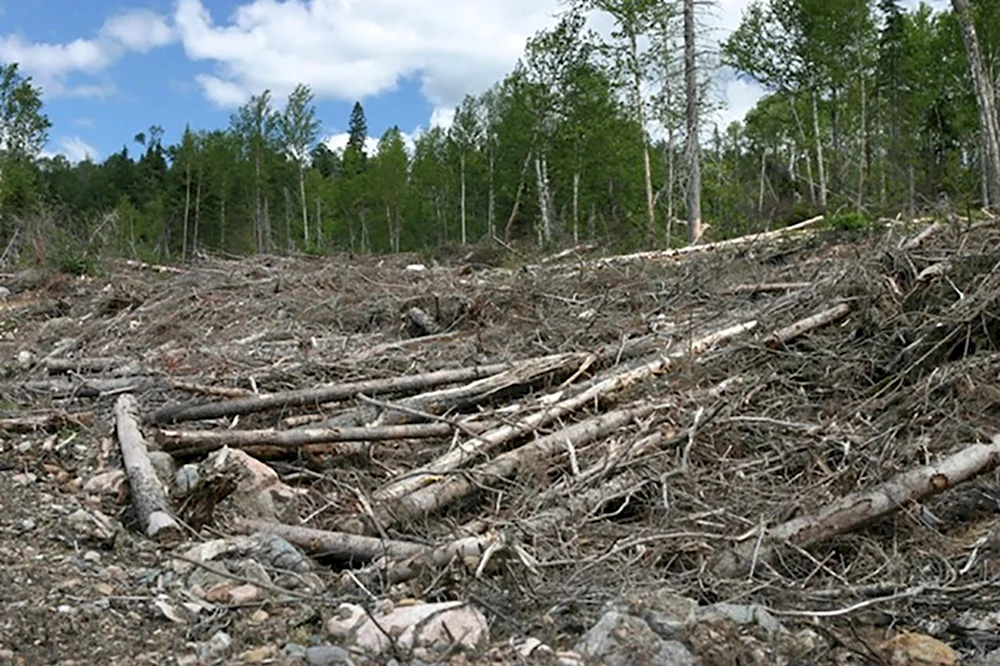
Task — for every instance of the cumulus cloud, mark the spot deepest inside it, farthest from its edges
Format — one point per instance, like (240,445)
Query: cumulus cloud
(53,64)
(74,149)
(350,50)
(338,142)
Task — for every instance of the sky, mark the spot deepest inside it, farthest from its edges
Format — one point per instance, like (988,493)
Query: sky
(110,69)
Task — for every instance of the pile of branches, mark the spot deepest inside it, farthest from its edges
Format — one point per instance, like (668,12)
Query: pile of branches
(791,417)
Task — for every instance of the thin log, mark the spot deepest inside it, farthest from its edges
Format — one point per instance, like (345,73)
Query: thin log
(803,326)
(219,391)
(148,497)
(559,406)
(56,366)
(765,287)
(204,441)
(909,244)
(409,558)
(45,421)
(857,509)
(707,247)
(319,395)
(431,498)
(91,387)
(421,323)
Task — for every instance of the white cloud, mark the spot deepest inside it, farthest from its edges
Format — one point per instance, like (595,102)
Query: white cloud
(352,50)
(139,30)
(338,142)
(74,149)
(51,64)
(442,117)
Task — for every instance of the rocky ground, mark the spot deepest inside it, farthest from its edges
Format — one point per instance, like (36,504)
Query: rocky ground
(609,470)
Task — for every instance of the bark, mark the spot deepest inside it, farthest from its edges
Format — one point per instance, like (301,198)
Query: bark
(187,210)
(320,395)
(305,208)
(706,247)
(426,500)
(818,320)
(205,441)
(517,199)
(988,123)
(857,509)
(148,497)
(461,161)
(559,407)
(692,121)
(576,207)
(820,168)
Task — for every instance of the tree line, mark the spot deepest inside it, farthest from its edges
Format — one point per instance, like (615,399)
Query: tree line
(870,108)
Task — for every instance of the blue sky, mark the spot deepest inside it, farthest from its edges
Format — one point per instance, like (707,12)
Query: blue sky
(112,68)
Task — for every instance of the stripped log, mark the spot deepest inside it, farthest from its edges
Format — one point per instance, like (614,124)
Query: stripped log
(319,395)
(431,498)
(765,287)
(407,559)
(559,406)
(56,366)
(803,326)
(45,421)
(204,441)
(654,255)
(91,387)
(857,509)
(148,497)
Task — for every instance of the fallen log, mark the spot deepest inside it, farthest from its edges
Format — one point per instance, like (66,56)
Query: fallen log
(857,509)
(56,366)
(319,395)
(750,239)
(148,497)
(91,387)
(218,391)
(558,407)
(204,441)
(430,498)
(765,287)
(45,421)
(408,559)
(803,326)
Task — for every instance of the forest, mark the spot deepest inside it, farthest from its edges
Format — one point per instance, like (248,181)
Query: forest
(871,111)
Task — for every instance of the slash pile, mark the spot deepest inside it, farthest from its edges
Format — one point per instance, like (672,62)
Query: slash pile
(804,419)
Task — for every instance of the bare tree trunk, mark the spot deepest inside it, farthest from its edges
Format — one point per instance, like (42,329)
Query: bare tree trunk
(305,209)
(805,144)
(640,118)
(197,211)
(187,211)
(517,199)
(819,149)
(576,207)
(760,191)
(693,140)
(863,152)
(491,207)
(461,161)
(544,207)
(988,124)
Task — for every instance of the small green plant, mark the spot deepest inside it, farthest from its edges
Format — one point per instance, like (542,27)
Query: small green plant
(850,221)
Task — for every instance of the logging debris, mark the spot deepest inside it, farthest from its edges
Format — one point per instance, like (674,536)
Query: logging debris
(796,420)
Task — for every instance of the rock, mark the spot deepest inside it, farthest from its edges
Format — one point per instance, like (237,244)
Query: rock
(25,359)
(325,655)
(219,644)
(741,615)
(279,553)
(186,480)
(259,654)
(908,649)
(624,639)
(419,625)
(259,616)
(244,594)
(259,492)
(91,524)
(164,466)
(112,484)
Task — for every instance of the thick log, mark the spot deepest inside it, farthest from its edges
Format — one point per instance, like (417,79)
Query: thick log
(148,497)
(857,509)
(319,395)
(431,498)
(559,406)
(204,441)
